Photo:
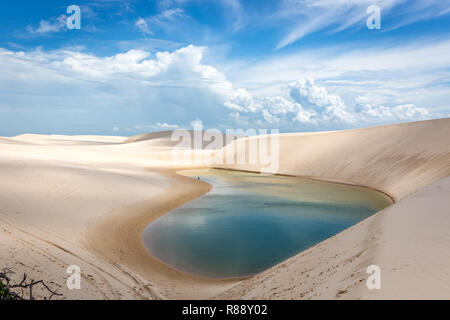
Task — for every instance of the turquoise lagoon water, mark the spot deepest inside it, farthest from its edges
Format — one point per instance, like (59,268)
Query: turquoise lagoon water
(250,222)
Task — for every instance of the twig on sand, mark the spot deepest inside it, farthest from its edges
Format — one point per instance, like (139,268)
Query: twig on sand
(9,289)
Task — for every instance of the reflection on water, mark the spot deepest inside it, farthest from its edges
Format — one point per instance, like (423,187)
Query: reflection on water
(250,222)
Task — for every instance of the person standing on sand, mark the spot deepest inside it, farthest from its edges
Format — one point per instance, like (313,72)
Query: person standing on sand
(198,179)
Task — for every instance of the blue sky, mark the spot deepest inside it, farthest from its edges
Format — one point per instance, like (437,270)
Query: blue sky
(294,65)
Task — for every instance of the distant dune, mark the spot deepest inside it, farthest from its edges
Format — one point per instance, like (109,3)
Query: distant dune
(62,139)
(164,138)
(398,159)
(86,200)
(162,135)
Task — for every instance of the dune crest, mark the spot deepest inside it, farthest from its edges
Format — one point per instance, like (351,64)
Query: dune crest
(397,159)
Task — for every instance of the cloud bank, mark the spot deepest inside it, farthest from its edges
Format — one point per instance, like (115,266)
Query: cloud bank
(75,89)
(312,104)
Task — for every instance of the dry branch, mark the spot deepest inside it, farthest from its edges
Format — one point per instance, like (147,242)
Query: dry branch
(14,291)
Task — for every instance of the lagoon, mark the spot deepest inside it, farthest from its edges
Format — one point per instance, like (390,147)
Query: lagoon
(250,222)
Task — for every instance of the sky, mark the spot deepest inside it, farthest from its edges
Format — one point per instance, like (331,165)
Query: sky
(293,65)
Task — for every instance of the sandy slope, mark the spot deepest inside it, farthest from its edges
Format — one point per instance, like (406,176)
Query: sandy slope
(397,159)
(409,241)
(85,201)
(65,202)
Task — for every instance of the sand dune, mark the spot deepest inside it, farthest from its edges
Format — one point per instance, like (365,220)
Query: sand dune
(54,138)
(397,159)
(167,139)
(66,203)
(409,241)
(161,135)
(85,200)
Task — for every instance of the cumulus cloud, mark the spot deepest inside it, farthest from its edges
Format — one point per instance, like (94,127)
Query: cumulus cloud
(306,116)
(270,118)
(312,105)
(329,106)
(291,110)
(369,113)
(182,67)
(279,105)
(241,100)
(82,90)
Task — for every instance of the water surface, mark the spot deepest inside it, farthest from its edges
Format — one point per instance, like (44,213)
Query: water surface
(250,222)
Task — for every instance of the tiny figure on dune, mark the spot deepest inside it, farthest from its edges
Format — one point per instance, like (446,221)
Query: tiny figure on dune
(198,179)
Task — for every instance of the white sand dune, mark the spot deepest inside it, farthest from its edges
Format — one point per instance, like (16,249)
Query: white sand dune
(167,139)
(161,135)
(87,205)
(409,241)
(397,159)
(85,200)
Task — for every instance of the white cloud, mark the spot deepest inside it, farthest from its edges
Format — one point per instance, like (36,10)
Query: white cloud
(156,127)
(312,105)
(291,111)
(325,107)
(329,106)
(169,14)
(169,87)
(167,20)
(83,89)
(54,25)
(388,74)
(309,16)
(181,67)
(399,113)
(306,116)
(270,118)
(241,100)
(305,91)
(279,105)
(142,25)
